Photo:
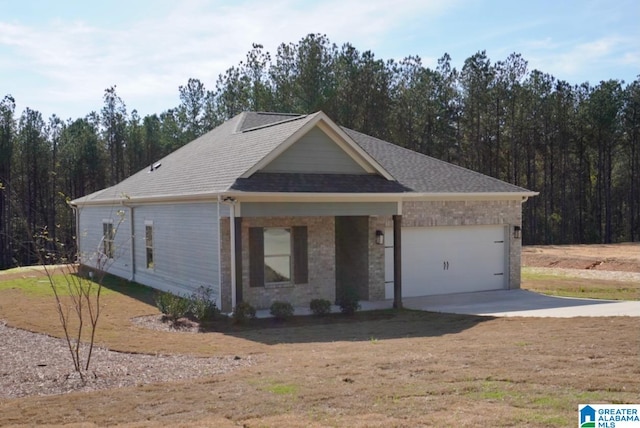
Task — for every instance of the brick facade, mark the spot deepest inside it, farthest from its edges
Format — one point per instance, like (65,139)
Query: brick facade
(322,248)
(321,256)
(376,260)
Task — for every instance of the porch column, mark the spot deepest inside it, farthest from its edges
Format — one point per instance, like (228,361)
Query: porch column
(397,262)
(237,224)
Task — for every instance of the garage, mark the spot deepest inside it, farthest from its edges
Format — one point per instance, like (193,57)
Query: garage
(453,259)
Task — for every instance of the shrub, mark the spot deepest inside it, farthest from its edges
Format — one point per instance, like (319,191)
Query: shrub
(203,308)
(320,307)
(163,301)
(243,312)
(281,310)
(348,301)
(172,306)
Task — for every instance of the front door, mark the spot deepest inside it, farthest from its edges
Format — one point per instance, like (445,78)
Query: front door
(352,255)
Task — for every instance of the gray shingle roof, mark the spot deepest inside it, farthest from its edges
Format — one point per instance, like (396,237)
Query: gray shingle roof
(216,161)
(209,164)
(424,174)
(317,183)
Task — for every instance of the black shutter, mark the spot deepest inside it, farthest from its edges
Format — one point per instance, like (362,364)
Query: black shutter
(256,257)
(300,255)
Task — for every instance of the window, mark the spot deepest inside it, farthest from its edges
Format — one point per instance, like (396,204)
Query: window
(148,243)
(107,238)
(278,255)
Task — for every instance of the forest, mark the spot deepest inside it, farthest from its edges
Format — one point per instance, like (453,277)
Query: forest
(576,144)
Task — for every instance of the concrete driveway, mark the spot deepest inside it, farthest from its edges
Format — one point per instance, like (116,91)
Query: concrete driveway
(521,303)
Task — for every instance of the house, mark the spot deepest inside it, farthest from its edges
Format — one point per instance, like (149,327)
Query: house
(271,206)
(587,416)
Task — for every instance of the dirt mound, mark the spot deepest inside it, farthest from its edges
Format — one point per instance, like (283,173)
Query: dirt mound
(608,257)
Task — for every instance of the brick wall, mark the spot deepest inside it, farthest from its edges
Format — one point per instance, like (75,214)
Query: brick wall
(469,213)
(376,260)
(321,256)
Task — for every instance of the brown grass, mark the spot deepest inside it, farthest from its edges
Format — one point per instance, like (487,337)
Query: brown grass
(393,369)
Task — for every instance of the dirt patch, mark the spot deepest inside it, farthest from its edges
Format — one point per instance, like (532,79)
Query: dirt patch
(417,369)
(603,257)
(408,368)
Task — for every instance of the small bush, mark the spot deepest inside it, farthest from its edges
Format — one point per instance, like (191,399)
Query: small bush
(349,301)
(281,310)
(172,306)
(163,301)
(203,307)
(320,307)
(243,312)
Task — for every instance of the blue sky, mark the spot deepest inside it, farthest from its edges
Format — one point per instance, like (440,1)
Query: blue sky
(59,56)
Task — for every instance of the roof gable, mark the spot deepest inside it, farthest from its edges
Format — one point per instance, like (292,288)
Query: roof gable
(315,152)
(320,120)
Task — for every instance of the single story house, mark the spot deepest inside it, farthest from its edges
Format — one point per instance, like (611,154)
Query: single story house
(271,206)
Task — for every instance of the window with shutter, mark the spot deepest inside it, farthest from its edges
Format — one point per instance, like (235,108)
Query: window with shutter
(278,255)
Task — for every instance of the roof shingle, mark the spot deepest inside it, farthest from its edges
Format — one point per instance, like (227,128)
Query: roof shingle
(214,163)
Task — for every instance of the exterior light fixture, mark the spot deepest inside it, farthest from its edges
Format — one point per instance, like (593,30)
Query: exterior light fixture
(517,232)
(379,237)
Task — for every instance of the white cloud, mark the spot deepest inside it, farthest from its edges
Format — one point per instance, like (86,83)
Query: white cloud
(592,61)
(151,58)
(69,63)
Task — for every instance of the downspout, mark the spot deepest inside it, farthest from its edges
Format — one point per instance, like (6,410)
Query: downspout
(132,240)
(233,224)
(133,246)
(219,254)
(76,214)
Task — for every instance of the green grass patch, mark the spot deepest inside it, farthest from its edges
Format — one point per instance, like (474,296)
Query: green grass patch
(530,274)
(281,388)
(572,286)
(40,286)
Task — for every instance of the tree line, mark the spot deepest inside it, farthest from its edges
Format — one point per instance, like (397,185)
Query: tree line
(577,144)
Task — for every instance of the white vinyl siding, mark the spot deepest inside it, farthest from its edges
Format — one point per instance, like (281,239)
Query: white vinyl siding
(185,244)
(91,230)
(185,247)
(315,152)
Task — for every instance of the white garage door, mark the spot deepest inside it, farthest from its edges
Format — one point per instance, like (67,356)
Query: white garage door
(442,260)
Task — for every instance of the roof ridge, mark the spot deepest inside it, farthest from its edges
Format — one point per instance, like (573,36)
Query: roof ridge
(294,116)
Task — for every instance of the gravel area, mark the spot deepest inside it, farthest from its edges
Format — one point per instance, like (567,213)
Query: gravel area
(36,364)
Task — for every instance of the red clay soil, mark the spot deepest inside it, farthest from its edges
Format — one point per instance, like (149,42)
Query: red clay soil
(610,257)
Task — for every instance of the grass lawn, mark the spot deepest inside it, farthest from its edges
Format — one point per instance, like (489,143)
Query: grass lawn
(391,368)
(566,285)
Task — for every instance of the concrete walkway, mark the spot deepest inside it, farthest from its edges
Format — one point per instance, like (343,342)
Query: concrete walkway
(522,303)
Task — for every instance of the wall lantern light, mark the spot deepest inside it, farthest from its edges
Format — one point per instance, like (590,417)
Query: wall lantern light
(517,232)
(379,237)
